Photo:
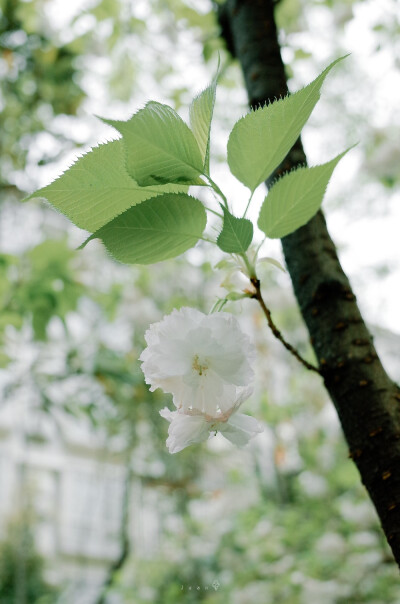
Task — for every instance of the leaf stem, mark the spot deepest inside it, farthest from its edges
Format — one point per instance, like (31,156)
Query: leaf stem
(248,204)
(258,248)
(250,268)
(219,305)
(258,296)
(214,212)
(208,240)
(218,191)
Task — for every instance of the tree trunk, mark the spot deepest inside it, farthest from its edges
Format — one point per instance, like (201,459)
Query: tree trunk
(366,399)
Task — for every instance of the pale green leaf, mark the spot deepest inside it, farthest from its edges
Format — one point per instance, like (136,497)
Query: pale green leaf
(157,229)
(295,198)
(236,234)
(201,112)
(159,147)
(226,263)
(97,187)
(273,261)
(234,296)
(260,140)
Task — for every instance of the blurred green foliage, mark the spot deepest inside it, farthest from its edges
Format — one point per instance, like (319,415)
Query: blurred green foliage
(22,568)
(38,285)
(38,80)
(308,547)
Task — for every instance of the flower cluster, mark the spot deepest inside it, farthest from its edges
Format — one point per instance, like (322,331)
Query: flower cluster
(204,361)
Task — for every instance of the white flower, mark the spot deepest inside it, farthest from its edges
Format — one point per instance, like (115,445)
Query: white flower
(193,426)
(204,361)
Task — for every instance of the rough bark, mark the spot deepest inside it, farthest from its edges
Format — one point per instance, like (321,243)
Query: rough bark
(366,399)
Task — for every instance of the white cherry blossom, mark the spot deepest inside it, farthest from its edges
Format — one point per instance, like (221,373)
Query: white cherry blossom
(193,426)
(204,361)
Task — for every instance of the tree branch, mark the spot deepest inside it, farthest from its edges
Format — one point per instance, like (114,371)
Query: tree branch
(366,399)
(258,296)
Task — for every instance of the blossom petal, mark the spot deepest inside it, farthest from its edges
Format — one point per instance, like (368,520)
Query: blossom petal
(185,430)
(241,395)
(204,361)
(167,414)
(240,428)
(234,365)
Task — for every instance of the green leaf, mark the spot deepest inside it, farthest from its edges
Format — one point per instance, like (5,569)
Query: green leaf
(159,147)
(295,198)
(201,112)
(273,261)
(236,234)
(97,187)
(157,229)
(260,140)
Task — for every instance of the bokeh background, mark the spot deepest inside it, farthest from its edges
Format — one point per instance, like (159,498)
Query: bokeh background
(93,509)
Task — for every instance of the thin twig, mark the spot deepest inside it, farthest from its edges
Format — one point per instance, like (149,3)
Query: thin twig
(258,296)
(124,540)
